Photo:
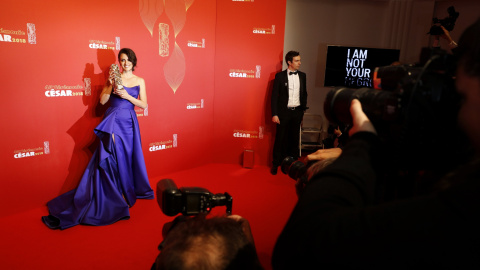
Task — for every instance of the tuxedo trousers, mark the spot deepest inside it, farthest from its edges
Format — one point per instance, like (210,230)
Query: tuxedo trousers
(287,137)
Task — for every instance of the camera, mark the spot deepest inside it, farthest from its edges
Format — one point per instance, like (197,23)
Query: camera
(302,171)
(296,169)
(448,22)
(414,111)
(189,200)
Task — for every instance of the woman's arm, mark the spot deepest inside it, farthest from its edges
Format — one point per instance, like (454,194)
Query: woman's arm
(106,92)
(142,96)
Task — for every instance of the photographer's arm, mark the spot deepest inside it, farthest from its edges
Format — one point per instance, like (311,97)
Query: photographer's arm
(446,35)
(325,218)
(344,185)
(322,154)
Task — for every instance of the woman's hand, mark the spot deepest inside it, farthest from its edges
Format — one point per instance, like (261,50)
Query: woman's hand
(123,93)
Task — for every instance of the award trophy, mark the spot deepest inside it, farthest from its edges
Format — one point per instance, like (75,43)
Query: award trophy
(115,76)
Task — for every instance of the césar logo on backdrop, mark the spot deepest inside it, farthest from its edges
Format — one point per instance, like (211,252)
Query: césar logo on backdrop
(141,112)
(196,44)
(249,74)
(64,90)
(19,36)
(32,152)
(249,134)
(191,106)
(163,145)
(243,1)
(264,31)
(104,45)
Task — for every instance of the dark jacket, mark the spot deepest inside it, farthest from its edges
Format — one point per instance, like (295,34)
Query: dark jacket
(280,92)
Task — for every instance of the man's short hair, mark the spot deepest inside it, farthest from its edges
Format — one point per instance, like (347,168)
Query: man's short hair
(213,243)
(468,50)
(289,56)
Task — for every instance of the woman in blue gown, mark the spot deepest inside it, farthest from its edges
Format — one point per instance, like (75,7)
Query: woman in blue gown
(116,175)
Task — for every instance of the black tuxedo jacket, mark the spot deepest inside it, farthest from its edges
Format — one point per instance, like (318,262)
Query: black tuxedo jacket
(280,92)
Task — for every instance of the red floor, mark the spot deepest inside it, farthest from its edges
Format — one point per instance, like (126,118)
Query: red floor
(265,200)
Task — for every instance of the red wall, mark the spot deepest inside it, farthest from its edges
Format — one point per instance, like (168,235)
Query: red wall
(195,107)
(249,43)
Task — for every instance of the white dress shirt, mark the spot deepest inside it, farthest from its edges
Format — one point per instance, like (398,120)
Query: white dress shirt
(293,90)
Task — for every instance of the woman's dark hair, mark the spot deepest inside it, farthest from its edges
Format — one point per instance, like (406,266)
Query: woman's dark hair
(468,50)
(131,56)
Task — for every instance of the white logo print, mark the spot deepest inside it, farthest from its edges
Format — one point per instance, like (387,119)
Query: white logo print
(46,147)
(32,36)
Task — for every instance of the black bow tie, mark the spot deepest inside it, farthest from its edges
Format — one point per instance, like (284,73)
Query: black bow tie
(293,73)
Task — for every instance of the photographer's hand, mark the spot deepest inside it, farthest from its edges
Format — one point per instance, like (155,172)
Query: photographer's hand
(323,154)
(323,158)
(360,119)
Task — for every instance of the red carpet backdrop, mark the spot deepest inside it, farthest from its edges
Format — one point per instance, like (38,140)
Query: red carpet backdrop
(249,51)
(208,67)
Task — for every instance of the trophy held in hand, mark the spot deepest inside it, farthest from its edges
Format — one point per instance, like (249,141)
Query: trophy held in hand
(115,76)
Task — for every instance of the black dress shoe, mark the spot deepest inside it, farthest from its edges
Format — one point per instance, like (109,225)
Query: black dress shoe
(273,170)
(51,222)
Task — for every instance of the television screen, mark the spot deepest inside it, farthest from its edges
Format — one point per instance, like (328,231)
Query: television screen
(353,67)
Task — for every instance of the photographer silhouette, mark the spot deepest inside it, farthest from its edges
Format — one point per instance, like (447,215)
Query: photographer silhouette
(208,243)
(336,223)
(195,241)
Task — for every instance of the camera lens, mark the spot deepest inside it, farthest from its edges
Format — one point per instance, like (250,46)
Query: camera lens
(380,106)
(293,168)
(286,164)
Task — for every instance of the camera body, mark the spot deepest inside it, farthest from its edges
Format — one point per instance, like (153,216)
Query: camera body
(448,22)
(293,168)
(296,169)
(189,200)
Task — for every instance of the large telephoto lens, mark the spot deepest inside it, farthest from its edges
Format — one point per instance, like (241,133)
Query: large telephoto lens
(293,168)
(379,106)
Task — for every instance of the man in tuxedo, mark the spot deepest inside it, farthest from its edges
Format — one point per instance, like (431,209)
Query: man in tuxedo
(289,102)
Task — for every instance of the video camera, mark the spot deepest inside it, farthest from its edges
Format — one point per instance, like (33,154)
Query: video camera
(189,200)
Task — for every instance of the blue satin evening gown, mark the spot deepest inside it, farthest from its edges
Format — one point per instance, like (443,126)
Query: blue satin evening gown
(115,176)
